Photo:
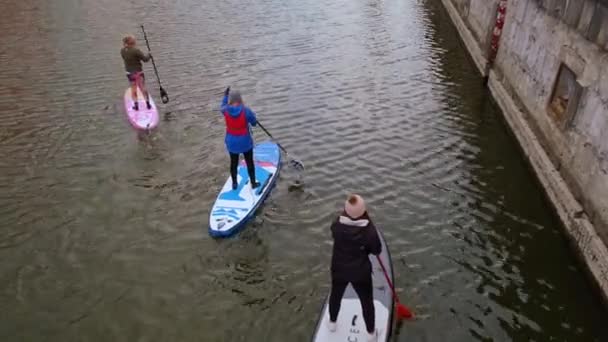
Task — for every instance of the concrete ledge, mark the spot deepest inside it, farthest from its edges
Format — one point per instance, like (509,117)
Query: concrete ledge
(472,47)
(579,229)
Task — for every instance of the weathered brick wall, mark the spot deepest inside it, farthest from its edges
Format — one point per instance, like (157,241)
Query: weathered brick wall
(565,141)
(539,36)
(479,17)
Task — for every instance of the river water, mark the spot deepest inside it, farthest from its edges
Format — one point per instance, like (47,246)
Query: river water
(103,234)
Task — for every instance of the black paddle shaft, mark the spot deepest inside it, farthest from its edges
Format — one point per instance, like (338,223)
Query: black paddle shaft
(295,163)
(271,137)
(163,94)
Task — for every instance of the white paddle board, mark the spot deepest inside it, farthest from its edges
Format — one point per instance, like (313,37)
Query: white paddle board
(350,323)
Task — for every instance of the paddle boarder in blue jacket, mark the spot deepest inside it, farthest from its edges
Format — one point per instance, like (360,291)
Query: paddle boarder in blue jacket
(355,237)
(238,139)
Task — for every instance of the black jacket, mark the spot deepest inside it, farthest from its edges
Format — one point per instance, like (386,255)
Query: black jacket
(354,240)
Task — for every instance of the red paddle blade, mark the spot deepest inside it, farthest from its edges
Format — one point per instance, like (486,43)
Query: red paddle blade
(403,312)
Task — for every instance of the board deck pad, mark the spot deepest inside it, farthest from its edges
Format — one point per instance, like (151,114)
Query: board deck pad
(350,323)
(233,208)
(144,118)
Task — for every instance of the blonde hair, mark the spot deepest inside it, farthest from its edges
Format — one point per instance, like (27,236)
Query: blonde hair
(128,39)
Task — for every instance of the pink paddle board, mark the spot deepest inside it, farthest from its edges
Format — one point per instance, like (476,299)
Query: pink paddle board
(144,118)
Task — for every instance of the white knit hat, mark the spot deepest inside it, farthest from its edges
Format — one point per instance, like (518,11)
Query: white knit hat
(354,206)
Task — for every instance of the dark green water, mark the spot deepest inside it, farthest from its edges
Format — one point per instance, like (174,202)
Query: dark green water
(103,235)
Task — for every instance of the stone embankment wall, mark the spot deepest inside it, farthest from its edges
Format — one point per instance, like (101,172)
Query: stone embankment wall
(550,77)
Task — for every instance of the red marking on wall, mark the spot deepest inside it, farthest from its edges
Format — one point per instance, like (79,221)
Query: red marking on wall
(501,13)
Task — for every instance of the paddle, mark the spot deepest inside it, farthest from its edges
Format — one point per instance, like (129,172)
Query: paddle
(402,311)
(163,94)
(293,162)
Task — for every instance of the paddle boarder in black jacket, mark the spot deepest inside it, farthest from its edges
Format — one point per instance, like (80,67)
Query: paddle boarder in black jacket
(355,238)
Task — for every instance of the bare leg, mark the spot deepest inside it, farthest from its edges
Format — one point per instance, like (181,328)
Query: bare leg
(142,86)
(134,91)
(134,95)
(141,82)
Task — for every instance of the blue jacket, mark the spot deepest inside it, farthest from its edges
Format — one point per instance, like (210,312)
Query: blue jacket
(243,143)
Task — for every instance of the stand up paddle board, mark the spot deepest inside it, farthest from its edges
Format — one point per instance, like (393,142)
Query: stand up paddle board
(144,118)
(350,323)
(233,208)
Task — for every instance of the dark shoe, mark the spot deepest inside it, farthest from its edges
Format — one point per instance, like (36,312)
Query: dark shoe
(255,185)
(148,104)
(136,106)
(235,185)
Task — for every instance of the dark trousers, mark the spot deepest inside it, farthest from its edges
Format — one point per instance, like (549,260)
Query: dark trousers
(234,163)
(364,290)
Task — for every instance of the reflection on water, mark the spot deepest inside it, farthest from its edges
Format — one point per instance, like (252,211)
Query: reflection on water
(103,233)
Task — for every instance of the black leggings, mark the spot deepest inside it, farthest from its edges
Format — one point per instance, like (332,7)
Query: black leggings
(234,163)
(364,290)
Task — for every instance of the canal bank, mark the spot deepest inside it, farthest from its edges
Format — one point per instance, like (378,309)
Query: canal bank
(547,67)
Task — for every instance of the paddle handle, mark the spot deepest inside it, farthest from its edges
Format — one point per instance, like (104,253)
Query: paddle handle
(145,37)
(150,51)
(163,94)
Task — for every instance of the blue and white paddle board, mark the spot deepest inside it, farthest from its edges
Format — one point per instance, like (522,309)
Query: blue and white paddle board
(233,208)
